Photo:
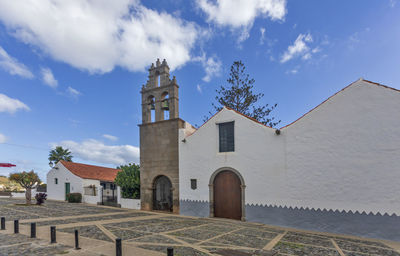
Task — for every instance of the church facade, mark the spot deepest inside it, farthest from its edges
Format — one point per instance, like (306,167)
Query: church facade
(335,169)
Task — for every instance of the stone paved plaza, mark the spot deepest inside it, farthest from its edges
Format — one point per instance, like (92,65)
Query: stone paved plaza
(151,233)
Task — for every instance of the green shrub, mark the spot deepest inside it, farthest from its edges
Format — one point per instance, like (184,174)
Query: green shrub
(129,181)
(40,197)
(74,198)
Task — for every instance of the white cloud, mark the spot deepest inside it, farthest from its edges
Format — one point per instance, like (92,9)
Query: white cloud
(262,35)
(12,66)
(98,35)
(316,50)
(48,77)
(3,138)
(354,38)
(110,137)
(241,13)
(306,56)
(293,71)
(74,123)
(11,105)
(299,48)
(199,88)
(94,150)
(212,66)
(73,92)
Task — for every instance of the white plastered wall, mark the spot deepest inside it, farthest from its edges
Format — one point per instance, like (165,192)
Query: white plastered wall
(57,191)
(258,157)
(343,155)
(91,199)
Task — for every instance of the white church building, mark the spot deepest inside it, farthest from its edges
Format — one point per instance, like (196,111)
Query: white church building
(335,169)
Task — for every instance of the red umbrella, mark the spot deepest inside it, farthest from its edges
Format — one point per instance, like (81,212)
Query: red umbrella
(7,165)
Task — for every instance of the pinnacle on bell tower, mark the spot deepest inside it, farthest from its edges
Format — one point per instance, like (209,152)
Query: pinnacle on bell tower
(160,99)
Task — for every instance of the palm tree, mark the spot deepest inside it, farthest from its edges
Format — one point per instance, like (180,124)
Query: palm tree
(58,154)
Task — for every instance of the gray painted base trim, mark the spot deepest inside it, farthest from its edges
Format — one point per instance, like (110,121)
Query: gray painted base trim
(358,224)
(194,208)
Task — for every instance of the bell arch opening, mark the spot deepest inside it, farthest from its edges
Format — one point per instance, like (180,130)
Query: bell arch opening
(151,105)
(165,105)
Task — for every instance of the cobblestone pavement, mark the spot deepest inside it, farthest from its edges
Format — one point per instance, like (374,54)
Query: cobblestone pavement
(17,244)
(153,233)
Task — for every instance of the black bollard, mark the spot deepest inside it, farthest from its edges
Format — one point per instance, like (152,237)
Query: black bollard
(3,223)
(33,230)
(16,226)
(118,247)
(53,234)
(77,240)
(170,251)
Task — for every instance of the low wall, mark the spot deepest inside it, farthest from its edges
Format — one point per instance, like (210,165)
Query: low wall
(127,202)
(21,194)
(130,203)
(90,199)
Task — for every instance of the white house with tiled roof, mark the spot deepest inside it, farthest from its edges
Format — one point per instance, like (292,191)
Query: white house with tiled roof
(336,169)
(95,183)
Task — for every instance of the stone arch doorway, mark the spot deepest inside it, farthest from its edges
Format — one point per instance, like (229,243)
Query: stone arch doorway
(227,194)
(162,194)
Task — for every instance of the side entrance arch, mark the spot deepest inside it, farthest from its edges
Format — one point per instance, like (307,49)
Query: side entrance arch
(162,194)
(227,199)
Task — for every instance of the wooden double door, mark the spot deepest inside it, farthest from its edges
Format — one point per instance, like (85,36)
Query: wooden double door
(227,196)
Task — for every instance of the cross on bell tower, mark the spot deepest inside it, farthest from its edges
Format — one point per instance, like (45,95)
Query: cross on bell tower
(159,95)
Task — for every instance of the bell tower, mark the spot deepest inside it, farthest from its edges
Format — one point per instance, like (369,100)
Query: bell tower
(159,152)
(160,94)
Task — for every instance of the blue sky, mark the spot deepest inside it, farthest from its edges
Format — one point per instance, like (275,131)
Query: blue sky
(71,71)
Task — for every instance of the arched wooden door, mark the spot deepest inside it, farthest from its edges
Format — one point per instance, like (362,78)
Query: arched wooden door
(162,196)
(227,196)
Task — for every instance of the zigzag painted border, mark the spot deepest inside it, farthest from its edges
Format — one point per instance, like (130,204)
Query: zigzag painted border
(307,208)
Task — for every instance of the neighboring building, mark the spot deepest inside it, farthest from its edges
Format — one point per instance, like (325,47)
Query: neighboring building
(335,169)
(95,183)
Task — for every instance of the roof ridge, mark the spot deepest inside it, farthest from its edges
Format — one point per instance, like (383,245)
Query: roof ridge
(93,172)
(253,119)
(388,87)
(353,83)
(89,165)
(249,117)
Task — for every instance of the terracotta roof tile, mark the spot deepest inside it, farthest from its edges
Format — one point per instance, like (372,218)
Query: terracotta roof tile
(93,172)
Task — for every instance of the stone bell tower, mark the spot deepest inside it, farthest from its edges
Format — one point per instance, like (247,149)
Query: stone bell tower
(159,152)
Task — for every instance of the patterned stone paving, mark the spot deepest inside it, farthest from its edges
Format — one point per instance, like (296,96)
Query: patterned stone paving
(88,231)
(156,232)
(17,244)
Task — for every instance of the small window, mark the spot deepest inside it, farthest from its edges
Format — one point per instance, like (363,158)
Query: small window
(193,183)
(226,137)
(56,181)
